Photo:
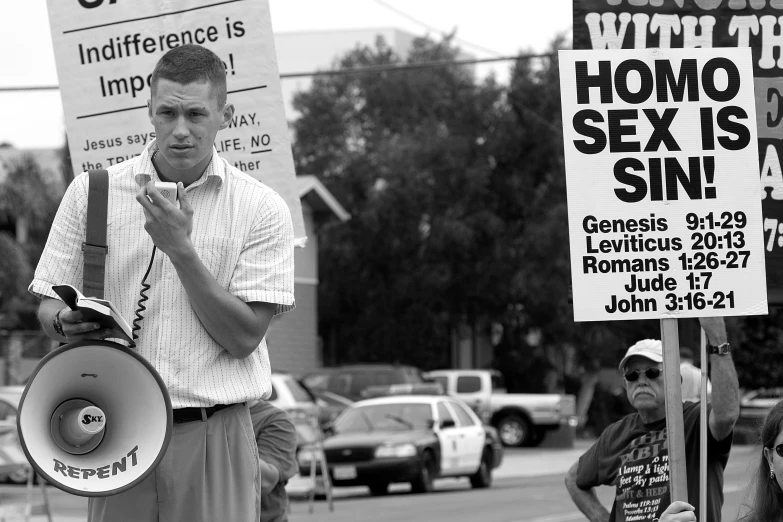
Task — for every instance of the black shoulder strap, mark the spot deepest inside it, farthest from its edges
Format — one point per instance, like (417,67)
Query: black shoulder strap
(95,247)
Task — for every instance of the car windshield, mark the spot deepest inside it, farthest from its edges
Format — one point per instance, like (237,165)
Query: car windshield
(385,417)
(299,393)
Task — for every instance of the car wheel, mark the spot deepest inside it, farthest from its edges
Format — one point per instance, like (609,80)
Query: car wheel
(18,476)
(379,488)
(515,431)
(483,476)
(423,482)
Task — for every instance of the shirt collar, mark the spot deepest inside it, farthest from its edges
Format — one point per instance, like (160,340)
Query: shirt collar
(144,170)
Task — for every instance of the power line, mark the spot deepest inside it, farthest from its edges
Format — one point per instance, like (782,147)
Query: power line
(432,28)
(359,70)
(414,66)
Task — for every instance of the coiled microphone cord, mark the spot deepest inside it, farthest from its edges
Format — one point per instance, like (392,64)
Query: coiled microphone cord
(140,305)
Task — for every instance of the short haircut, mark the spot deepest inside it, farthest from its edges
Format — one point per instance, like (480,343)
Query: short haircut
(191,63)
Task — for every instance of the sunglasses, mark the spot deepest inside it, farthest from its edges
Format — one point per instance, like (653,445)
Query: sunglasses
(779,450)
(651,373)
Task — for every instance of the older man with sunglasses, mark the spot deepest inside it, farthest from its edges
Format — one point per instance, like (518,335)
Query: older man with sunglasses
(632,454)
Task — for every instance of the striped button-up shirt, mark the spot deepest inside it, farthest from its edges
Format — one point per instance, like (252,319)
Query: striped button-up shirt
(242,232)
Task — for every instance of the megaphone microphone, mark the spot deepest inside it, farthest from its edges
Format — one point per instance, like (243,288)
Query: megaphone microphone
(95,418)
(77,426)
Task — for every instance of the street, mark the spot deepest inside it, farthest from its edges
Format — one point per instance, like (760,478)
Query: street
(528,487)
(522,499)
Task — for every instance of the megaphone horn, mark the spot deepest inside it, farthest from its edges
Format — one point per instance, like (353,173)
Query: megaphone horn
(95,418)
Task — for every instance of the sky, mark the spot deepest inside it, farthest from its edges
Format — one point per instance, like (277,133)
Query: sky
(485,29)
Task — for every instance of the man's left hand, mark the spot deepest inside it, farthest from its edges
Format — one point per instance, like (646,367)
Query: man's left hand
(168,226)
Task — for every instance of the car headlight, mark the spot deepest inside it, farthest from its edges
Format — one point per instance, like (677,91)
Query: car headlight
(399,450)
(306,456)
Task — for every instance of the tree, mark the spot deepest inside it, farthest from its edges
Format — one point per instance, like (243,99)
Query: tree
(27,209)
(406,152)
(14,270)
(457,191)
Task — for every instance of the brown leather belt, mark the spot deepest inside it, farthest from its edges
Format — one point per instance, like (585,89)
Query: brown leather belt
(181,415)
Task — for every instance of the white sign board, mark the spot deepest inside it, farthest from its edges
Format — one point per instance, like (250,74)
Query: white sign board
(661,157)
(105,52)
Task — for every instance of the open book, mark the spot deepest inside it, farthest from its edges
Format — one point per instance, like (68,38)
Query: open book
(100,311)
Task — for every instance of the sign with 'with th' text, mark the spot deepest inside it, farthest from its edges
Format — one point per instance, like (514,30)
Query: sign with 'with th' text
(661,160)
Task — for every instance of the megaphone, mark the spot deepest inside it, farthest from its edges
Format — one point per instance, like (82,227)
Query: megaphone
(95,418)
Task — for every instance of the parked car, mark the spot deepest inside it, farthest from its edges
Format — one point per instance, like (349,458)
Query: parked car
(292,397)
(9,437)
(408,438)
(754,406)
(351,380)
(331,405)
(522,419)
(757,403)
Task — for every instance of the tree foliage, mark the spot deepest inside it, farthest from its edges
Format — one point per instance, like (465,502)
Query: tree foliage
(407,153)
(456,189)
(27,208)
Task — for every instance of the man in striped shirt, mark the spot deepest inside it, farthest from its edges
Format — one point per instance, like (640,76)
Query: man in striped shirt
(223,268)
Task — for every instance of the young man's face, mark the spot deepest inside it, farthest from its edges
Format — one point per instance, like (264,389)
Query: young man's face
(645,393)
(186,120)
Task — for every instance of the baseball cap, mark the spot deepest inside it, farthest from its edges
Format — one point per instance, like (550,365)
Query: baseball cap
(648,348)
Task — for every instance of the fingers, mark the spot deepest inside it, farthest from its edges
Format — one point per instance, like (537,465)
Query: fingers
(75,328)
(678,511)
(144,201)
(184,202)
(678,506)
(97,335)
(79,329)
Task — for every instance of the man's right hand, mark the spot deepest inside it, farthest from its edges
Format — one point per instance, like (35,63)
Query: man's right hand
(678,511)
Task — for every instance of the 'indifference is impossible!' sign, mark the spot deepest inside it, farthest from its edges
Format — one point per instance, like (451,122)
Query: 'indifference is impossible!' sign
(663,196)
(105,52)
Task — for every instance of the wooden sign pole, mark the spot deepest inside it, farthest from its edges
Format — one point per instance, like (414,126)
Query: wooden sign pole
(675,426)
(703,425)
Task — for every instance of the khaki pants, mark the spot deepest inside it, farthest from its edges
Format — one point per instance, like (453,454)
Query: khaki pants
(208,474)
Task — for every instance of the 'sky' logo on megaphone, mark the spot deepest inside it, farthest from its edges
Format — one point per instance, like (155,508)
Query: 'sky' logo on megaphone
(87,419)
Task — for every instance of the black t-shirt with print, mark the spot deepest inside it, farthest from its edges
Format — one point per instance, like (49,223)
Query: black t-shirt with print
(634,457)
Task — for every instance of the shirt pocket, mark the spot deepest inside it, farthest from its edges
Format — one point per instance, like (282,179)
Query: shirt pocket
(219,255)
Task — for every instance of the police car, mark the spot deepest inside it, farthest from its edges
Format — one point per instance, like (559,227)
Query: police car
(408,437)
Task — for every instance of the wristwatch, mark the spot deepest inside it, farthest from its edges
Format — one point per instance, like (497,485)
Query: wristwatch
(57,325)
(723,349)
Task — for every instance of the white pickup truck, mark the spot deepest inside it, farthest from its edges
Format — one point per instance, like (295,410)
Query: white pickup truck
(522,419)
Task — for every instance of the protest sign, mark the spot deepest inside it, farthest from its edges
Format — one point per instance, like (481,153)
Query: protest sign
(105,52)
(629,24)
(664,216)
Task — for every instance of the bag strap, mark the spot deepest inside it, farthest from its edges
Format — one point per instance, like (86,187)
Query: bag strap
(94,247)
